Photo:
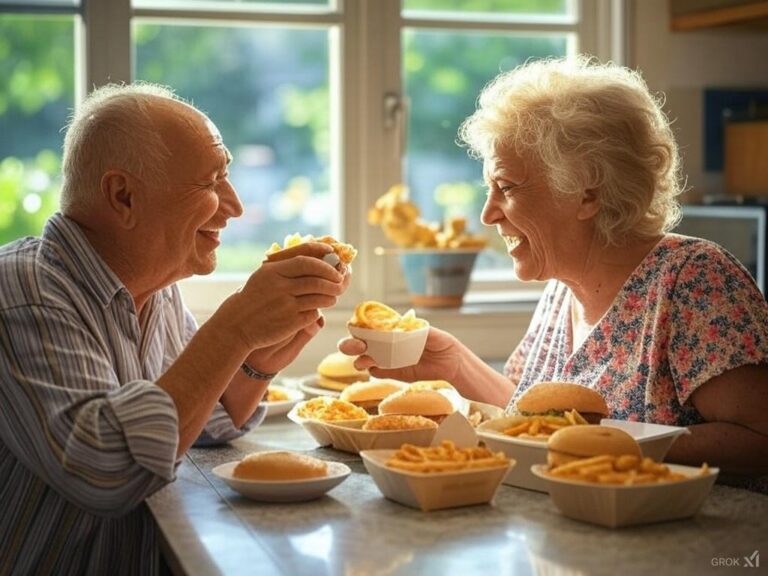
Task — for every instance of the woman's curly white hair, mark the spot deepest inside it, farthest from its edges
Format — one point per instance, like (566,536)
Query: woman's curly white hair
(590,126)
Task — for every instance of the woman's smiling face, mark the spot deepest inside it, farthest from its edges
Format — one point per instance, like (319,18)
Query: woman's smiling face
(539,228)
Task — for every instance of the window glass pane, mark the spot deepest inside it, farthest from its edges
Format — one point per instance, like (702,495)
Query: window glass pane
(444,73)
(549,7)
(37,3)
(266,89)
(36,97)
(219,4)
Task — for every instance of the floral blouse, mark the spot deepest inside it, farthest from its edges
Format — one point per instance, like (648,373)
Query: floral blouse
(689,312)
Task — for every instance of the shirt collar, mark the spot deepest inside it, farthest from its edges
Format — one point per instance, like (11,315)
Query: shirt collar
(80,258)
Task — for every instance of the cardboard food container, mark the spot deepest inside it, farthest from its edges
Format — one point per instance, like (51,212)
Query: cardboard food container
(615,506)
(654,439)
(350,437)
(317,428)
(433,491)
(392,349)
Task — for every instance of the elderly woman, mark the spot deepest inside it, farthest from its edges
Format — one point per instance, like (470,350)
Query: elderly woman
(583,172)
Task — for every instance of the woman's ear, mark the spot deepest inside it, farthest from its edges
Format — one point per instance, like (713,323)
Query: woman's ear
(590,204)
(119,190)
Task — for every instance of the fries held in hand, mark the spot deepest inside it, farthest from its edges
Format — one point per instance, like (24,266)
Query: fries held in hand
(377,316)
(445,458)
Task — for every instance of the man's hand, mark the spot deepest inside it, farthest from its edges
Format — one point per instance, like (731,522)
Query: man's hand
(281,299)
(274,358)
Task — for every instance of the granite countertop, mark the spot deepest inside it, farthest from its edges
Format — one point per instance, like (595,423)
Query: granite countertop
(210,529)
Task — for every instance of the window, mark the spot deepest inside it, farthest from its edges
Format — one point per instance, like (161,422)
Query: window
(324,103)
(37,71)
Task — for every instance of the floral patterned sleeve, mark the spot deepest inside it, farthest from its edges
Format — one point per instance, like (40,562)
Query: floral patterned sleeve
(718,320)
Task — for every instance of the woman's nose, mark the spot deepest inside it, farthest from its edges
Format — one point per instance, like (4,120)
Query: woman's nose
(491,213)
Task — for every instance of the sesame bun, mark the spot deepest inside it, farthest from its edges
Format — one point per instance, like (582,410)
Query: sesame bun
(337,371)
(560,396)
(577,442)
(399,422)
(368,394)
(431,403)
(279,465)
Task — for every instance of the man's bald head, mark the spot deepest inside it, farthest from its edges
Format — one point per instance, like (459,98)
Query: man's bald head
(119,127)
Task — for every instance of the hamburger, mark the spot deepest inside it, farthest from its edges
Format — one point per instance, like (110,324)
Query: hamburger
(555,398)
(368,395)
(578,442)
(279,465)
(432,399)
(387,422)
(337,371)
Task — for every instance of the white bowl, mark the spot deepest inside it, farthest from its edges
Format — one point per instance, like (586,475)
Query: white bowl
(433,491)
(283,406)
(283,490)
(392,349)
(614,506)
(654,439)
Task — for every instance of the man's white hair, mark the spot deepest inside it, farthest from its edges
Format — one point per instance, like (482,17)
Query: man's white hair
(112,129)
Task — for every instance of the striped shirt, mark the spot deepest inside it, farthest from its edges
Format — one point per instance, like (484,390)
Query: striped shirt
(85,434)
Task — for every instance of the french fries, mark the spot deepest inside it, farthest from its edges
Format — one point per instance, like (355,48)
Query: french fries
(275,395)
(378,316)
(445,458)
(541,427)
(626,470)
(330,410)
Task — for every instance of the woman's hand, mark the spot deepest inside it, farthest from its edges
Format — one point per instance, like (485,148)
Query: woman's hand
(441,360)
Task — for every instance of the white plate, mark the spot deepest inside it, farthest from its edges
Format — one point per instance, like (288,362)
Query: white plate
(284,406)
(308,385)
(283,490)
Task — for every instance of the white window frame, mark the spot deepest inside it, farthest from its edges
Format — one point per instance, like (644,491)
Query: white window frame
(368,69)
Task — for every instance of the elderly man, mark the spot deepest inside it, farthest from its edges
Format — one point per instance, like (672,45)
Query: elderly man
(105,379)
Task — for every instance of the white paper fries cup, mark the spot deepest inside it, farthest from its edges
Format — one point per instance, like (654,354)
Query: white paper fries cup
(392,349)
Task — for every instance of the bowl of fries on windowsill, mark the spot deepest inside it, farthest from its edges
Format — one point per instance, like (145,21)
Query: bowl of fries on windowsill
(616,491)
(437,477)
(524,438)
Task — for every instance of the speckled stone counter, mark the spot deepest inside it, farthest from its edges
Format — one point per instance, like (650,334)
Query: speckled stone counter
(210,529)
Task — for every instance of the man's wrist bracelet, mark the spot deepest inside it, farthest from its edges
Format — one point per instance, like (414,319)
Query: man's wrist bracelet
(256,374)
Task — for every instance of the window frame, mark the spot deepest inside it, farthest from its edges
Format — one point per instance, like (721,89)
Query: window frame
(367,158)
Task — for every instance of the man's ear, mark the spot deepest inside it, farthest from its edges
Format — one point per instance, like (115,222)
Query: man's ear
(590,204)
(119,190)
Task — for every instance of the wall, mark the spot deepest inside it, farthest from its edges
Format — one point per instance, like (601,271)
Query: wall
(681,64)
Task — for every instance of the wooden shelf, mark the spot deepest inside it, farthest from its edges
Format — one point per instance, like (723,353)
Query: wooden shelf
(687,15)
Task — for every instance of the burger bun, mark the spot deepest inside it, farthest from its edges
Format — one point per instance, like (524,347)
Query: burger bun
(434,404)
(279,465)
(368,395)
(561,396)
(584,441)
